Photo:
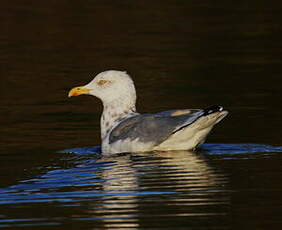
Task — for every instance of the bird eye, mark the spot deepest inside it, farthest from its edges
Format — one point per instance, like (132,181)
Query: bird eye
(102,82)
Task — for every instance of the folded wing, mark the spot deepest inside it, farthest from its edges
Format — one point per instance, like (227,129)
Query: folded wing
(154,128)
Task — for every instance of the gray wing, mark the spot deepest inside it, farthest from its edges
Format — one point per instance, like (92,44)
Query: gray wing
(154,128)
(178,112)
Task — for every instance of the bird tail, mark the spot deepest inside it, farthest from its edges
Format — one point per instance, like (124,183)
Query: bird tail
(212,109)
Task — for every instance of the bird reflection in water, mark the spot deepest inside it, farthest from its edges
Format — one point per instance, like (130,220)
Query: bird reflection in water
(141,187)
(132,190)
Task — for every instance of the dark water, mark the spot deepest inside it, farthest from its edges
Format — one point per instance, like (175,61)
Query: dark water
(181,54)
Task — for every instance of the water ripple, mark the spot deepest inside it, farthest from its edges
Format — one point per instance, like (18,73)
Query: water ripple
(175,184)
(219,149)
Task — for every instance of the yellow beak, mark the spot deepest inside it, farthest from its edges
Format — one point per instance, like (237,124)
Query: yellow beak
(76,91)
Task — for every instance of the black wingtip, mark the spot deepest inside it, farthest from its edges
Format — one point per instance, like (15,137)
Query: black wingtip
(212,109)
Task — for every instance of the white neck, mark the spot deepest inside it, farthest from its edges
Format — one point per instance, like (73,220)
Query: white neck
(113,112)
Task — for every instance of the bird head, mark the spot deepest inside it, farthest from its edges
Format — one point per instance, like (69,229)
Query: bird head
(111,85)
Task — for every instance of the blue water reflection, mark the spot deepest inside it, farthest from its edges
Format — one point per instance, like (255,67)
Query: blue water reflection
(207,148)
(122,190)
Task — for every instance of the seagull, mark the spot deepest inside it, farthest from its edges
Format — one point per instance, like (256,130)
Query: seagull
(123,129)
